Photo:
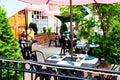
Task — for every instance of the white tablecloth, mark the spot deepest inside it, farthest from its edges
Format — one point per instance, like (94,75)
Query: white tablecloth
(78,64)
(58,58)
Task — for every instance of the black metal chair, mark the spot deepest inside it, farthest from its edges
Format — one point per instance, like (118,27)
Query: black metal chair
(26,49)
(28,54)
(64,45)
(39,68)
(70,72)
(53,38)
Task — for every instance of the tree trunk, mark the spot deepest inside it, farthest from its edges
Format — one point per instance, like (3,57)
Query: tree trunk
(76,25)
(103,26)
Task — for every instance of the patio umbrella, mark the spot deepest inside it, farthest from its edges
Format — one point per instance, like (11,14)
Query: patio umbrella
(70,2)
(53,10)
(34,7)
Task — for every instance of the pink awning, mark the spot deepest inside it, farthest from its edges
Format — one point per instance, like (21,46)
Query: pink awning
(67,2)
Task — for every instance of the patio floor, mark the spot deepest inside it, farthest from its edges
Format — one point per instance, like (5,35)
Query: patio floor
(48,51)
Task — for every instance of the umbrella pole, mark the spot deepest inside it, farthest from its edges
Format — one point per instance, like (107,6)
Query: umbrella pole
(71,31)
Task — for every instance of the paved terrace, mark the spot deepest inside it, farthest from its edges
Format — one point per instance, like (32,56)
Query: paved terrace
(48,51)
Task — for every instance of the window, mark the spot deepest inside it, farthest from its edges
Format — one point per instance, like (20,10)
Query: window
(39,19)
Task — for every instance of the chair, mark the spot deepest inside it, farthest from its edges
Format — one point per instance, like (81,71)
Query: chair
(65,44)
(28,54)
(70,72)
(26,49)
(39,68)
(53,38)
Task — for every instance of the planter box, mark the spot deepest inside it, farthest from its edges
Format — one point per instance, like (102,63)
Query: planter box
(42,38)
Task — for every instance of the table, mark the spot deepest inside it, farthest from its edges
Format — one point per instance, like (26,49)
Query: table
(64,60)
(79,48)
(87,45)
(89,61)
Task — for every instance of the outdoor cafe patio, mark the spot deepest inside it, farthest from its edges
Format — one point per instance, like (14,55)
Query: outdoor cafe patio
(73,60)
(59,66)
(79,66)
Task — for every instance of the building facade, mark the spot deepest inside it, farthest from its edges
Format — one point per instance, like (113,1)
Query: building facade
(23,18)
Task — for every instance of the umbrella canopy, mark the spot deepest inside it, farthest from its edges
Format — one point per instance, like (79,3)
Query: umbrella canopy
(67,2)
(53,10)
(70,2)
(34,7)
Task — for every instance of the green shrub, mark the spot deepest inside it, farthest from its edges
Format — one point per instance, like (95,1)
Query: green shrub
(44,29)
(34,27)
(49,29)
(112,45)
(9,46)
(97,39)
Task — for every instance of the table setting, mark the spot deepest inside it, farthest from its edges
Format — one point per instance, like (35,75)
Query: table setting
(79,60)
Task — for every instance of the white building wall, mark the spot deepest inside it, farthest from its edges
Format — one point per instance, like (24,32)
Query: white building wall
(50,21)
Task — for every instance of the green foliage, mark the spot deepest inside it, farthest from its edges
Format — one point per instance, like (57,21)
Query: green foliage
(112,45)
(97,39)
(34,27)
(107,14)
(86,28)
(46,30)
(9,46)
(79,12)
(49,29)
(63,28)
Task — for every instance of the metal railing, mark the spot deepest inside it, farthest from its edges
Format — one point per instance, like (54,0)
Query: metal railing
(57,71)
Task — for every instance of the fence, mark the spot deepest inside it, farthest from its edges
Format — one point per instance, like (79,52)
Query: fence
(57,71)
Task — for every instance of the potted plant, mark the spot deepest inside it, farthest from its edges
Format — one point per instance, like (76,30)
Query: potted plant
(49,29)
(34,27)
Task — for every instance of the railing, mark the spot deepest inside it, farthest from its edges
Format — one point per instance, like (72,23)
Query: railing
(72,73)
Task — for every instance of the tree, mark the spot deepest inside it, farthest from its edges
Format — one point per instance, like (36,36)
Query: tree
(109,22)
(9,46)
(84,26)
(107,15)
(79,12)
